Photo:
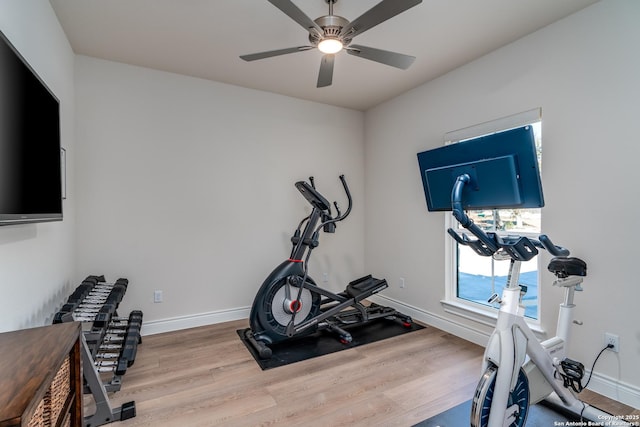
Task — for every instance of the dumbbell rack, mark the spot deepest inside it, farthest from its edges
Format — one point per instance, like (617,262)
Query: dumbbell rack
(109,343)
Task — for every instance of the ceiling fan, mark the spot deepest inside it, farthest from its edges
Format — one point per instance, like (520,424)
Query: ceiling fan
(332,33)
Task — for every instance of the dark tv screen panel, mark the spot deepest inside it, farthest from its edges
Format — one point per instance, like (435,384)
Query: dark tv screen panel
(30,162)
(502,167)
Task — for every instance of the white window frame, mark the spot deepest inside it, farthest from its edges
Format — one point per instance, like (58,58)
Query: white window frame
(482,314)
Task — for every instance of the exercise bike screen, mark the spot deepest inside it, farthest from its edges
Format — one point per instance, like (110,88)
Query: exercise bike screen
(502,168)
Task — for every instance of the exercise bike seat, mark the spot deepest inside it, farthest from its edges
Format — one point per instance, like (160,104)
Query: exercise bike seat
(567,266)
(365,286)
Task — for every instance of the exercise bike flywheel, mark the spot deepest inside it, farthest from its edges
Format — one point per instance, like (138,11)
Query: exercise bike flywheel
(518,404)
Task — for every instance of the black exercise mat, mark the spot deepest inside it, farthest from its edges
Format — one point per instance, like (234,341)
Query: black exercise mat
(324,342)
(539,416)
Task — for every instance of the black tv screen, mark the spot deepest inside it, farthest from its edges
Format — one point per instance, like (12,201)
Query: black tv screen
(502,168)
(30,161)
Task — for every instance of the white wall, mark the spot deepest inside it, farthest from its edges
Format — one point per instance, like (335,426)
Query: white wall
(187,186)
(583,71)
(37,260)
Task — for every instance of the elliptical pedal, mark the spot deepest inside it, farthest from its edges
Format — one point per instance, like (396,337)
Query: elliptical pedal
(365,286)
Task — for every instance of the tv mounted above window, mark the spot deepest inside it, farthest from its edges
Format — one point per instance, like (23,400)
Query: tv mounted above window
(30,166)
(502,172)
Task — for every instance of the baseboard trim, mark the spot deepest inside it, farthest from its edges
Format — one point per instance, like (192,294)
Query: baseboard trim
(601,384)
(192,321)
(616,390)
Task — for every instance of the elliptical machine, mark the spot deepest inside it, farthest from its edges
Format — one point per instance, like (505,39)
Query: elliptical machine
(290,304)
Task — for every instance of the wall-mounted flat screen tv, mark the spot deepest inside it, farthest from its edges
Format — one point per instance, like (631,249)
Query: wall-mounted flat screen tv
(30,161)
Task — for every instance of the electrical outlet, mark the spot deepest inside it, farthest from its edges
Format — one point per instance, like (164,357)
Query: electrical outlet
(325,277)
(157,296)
(401,283)
(614,340)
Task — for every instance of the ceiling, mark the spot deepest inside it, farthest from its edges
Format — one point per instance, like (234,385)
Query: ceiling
(204,39)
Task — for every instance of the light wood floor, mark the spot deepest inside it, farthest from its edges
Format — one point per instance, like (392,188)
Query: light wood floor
(206,377)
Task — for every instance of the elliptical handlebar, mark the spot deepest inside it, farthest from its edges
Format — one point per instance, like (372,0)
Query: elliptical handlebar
(328,223)
(340,216)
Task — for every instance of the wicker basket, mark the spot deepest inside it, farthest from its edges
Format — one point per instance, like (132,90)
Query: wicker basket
(51,406)
(60,390)
(38,419)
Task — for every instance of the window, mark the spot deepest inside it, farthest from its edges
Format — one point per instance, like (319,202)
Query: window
(473,278)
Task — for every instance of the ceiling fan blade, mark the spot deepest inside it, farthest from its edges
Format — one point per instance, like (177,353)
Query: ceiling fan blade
(394,59)
(325,76)
(293,12)
(384,10)
(269,54)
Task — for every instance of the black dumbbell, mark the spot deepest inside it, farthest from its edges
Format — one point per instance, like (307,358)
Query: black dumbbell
(91,279)
(122,281)
(116,294)
(103,317)
(96,278)
(80,292)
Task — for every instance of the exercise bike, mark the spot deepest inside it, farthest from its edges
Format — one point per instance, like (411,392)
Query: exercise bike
(518,370)
(290,304)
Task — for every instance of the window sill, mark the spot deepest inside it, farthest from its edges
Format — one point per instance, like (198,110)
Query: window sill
(484,316)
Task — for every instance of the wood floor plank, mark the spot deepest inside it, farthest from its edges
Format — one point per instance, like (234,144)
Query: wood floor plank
(206,377)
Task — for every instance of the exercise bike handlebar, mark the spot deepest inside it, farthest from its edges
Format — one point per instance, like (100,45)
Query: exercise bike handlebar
(551,248)
(489,243)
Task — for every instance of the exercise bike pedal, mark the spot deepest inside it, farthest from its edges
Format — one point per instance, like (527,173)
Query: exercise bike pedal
(573,368)
(572,374)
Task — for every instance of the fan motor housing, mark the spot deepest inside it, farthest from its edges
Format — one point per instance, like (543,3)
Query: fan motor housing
(331,26)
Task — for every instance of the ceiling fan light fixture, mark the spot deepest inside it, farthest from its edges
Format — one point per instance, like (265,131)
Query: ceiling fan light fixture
(332,33)
(330,45)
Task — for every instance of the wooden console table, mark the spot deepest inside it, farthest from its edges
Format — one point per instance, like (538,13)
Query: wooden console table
(40,377)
